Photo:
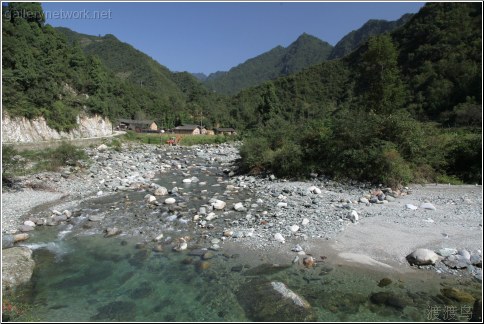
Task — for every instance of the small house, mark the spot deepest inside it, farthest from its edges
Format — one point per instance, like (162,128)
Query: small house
(189,130)
(137,125)
(225,131)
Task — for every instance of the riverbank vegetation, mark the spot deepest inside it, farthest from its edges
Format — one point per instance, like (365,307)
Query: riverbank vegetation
(20,163)
(185,140)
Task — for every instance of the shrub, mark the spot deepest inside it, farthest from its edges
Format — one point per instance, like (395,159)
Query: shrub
(66,154)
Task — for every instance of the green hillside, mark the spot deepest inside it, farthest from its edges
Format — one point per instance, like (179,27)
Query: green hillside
(304,52)
(403,107)
(182,95)
(373,27)
(58,73)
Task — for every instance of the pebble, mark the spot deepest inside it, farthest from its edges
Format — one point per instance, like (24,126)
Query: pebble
(29,223)
(170,201)
(294,228)
(278,237)
(411,207)
(427,205)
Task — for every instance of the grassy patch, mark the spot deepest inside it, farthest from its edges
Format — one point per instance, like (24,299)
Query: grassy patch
(16,163)
(185,140)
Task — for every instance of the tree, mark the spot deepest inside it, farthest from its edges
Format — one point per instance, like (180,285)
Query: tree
(380,82)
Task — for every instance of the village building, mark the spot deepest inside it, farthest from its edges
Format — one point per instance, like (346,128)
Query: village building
(137,125)
(224,131)
(190,130)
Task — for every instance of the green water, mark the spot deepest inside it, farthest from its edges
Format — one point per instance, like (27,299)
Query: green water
(91,278)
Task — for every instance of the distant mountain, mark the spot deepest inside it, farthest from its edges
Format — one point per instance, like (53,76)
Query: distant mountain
(307,50)
(357,37)
(200,76)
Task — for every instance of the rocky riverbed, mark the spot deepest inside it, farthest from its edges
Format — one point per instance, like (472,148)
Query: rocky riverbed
(192,199)
(204,196)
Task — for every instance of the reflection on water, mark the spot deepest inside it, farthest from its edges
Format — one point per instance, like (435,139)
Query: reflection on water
(91,278)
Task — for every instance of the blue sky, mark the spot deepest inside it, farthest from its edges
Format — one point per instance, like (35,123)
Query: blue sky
(210,37)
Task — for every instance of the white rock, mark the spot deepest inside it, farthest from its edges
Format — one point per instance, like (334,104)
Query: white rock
(150,199)
(102,147)
(465,254)
(215,241)
(228,233)
(305,221)
(180,247)
(282,204)
(187,180)
(159,237)
(363,200)
(353,216)
(68,213)
(211,216)
(294,228)
(170,201)
(161,191)
(29,223)
(314,190)
(278,237)
(422,257)
(239,206)
(215,247)
(196,217)
(99,193)
(219,204)
(428,205)
(411,207)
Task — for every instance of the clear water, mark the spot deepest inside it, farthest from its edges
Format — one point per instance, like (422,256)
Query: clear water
(91,278)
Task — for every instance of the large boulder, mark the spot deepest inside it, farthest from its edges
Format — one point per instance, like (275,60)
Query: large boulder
(17,267)
(422,257)
(273,301)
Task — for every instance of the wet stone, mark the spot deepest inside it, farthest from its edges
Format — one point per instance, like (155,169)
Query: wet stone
(384,282)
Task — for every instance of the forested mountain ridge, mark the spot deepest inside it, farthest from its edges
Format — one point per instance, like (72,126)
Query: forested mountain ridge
(58,74)
(125,61)
(307,50)
(184,95)
(404,106)
(372,27)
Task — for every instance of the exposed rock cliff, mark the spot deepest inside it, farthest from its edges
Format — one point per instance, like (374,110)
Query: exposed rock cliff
(23,130)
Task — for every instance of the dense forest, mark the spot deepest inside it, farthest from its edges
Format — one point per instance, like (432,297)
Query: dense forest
(403,106)
(57,73)
(373,27)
